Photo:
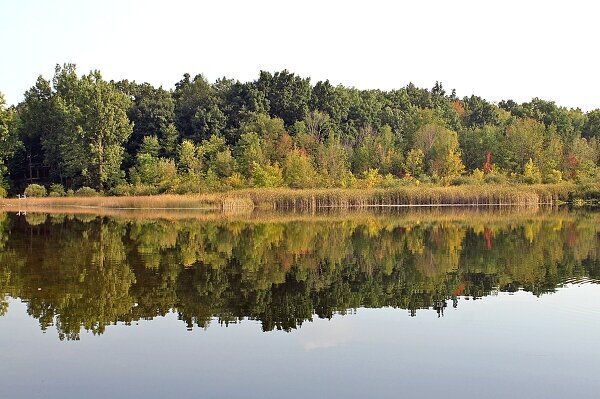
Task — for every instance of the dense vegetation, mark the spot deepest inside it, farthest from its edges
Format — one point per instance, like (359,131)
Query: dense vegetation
(280,130)
(96,271)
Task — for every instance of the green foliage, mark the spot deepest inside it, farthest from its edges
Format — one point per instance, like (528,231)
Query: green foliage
(35,190)
(495,178)
(205,136)
(441,149)
(88,126)
(371,178)
(555,176)
(524,141)
(85,192)
(287,95)
(531,173)
(267,176)
(197,114)
(377,150)
(57,190)
(189,159)
(592,124)
(10,142)
(152,114)
(414,162)
(477,175)
(298,170)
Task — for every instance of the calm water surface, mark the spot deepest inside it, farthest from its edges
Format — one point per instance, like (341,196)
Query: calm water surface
(391,304)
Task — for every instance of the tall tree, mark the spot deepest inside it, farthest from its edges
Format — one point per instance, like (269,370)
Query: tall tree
(152,114)
(197,112)
(9,139)
(91,143)
(288,95)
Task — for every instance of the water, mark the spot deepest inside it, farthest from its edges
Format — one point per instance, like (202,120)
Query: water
(448,303)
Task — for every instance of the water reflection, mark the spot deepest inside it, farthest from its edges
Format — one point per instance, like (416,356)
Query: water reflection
(86,272)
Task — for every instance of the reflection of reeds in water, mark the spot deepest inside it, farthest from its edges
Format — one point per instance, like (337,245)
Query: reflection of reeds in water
(311,199)
(465,215)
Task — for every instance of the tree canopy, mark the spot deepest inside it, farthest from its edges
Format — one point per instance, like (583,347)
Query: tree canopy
(80,130)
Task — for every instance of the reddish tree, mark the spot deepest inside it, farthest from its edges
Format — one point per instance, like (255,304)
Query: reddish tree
(487,166)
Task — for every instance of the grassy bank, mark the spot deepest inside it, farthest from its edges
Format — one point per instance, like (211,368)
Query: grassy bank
(311,199)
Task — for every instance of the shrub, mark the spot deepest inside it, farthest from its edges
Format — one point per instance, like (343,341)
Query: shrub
(35,190)
(121,190)
(494,178)
(389,181)
(267,176)
(461,181)
(477,176)
(298,170)
(235,181)
(348,181)
(555,176)
(86,192)
(3,192)
(57,190)
(531,173)
(143,189)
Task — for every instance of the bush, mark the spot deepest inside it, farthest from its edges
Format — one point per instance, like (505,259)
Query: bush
(494,178)
(389,181)
(143,189)
(298,170)
(121,190)
(235,181)
(531,173)
(267,175)
(35,190)
(57,190)
(3,192)
(371,178)
(461,181)
(86,192)
(555,176)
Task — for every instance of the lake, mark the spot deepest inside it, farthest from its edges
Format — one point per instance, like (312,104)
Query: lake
(390,303)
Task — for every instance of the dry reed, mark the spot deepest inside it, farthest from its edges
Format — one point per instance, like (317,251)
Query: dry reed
(313,199)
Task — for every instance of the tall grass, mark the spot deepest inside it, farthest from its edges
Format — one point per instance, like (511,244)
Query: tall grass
(312,199)
(472,195)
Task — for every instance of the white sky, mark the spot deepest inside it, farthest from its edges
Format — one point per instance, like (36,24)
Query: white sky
(495,49)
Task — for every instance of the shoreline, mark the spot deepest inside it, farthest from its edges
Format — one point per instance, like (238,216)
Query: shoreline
(313,199)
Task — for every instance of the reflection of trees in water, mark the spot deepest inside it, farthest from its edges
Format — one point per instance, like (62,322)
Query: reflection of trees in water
(91,273)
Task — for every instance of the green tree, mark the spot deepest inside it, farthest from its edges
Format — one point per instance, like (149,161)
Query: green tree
(150,170)
(524,140)
(414,162)
(298,170)
(441,149)
(248,152)
(197,112)
(274,139)
(267,175)
(152,114)
(531,173)
(95,127)
(9,139)
(287,94)
(591,127)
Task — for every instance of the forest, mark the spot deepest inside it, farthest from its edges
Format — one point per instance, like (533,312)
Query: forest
(82,135)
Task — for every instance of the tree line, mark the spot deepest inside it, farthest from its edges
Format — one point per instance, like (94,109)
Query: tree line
(281,130)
